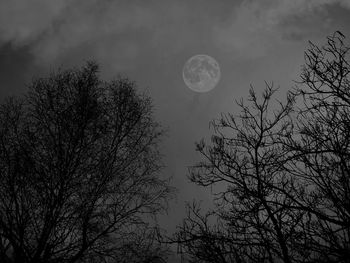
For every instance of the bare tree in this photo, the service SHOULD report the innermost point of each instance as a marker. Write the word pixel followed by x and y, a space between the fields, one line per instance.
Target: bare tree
pixel 246 160
pixel 280 176
pixel 79 171
pixel 321 146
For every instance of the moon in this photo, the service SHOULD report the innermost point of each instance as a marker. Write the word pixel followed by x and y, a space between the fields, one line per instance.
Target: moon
pixel 201 73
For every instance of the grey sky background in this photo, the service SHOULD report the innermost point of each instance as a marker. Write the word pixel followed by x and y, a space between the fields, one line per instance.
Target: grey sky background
pixel 149 41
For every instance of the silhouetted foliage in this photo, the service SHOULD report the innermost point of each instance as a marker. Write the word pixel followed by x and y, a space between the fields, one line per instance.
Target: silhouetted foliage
pixel 280 174
pixel 80 172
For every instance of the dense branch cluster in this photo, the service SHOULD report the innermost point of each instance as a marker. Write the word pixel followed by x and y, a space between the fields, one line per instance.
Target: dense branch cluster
pixel 79 172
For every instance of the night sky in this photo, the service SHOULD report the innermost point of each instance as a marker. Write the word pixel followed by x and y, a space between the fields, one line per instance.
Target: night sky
pixel 149 42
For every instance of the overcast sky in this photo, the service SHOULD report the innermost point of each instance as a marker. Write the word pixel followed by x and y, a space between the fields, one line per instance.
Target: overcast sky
pixel 149 41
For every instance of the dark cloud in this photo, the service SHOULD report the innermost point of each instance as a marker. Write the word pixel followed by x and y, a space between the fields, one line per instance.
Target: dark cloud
pixel 15 69
pixel 316 22
pixel 23 22
pixel 257 28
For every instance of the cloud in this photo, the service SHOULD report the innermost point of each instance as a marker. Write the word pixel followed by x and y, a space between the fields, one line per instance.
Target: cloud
pixel 120 31
pixel 99 29
pixel 22 22
pixel 256 27
pixel 105 30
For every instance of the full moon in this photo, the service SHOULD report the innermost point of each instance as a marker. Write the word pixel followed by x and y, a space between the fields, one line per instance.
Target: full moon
pixel 201 73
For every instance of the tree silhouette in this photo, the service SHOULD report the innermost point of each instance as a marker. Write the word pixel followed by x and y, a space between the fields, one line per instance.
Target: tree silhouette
pixel 80 172
pixel 321 146
pixel 280 174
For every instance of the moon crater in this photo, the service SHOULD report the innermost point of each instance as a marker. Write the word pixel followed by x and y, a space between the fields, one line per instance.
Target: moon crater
pixel 201 73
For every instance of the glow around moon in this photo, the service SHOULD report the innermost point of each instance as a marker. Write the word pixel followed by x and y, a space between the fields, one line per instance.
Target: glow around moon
pixel 201 73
